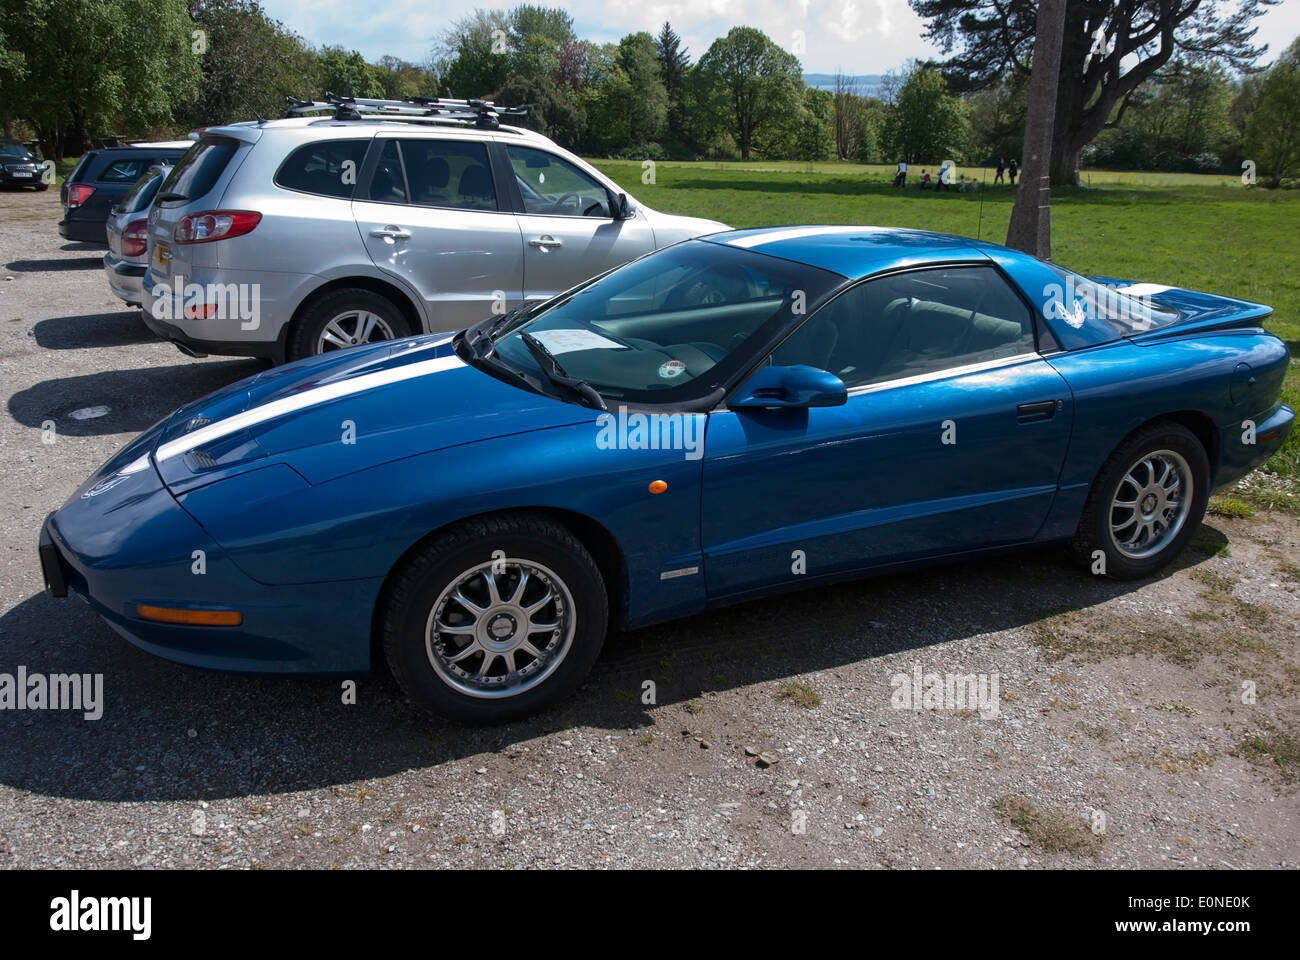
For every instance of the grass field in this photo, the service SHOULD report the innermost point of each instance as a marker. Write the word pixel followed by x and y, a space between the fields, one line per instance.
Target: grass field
pixel 1187 230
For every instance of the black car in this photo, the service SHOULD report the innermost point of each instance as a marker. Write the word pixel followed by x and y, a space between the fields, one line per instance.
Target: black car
pixel 102 178
pixel 19 167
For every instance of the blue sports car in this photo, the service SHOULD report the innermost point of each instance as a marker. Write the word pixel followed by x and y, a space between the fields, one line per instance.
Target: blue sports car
pixel 728 417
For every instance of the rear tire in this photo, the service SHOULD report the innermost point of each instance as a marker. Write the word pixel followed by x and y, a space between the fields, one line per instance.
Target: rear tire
pixel 345 318
pixel 1146 503
pixel 482 636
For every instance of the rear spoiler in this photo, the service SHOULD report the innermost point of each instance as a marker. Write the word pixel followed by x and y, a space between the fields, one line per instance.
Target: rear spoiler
pixel 245 131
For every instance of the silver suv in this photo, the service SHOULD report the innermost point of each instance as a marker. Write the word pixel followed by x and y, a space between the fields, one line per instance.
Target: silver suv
pixel 288 238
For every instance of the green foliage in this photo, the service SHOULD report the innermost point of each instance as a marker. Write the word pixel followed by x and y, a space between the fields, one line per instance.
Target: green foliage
pixel 925 121
pixel 759 83
pixel 1273 126
pixel 346 73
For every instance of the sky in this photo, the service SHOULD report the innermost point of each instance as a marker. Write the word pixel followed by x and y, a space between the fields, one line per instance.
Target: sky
pixel 857 36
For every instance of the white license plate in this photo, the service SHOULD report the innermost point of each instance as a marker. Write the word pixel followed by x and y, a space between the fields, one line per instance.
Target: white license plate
pixel 24 173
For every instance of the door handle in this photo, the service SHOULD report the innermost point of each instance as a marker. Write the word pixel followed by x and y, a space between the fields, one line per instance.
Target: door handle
pixel 391 232
pixel 544 241
pixel 1039 410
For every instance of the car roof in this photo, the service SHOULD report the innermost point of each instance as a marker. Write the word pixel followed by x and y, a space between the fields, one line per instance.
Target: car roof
pixel 855 251
pixel 413 129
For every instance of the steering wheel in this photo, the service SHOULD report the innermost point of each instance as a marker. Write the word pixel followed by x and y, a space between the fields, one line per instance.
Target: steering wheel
pixel 559 202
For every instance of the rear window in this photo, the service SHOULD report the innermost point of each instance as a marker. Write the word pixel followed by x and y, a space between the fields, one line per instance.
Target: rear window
pixel 80 168
pixel 198 170
pixel 142 193
pixel 1078 300
pixel 124 170
pixel 328 168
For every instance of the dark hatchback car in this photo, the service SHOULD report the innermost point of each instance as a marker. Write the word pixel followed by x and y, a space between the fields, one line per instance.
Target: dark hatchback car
pixel 19 167
pixel 101 179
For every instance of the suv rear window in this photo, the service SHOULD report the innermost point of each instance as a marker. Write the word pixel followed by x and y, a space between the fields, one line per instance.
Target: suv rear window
pixel 328 168
pixel 199 168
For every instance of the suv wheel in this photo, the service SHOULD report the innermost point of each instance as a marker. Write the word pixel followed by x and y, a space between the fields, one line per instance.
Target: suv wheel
pixel 346 318
pixel 494 619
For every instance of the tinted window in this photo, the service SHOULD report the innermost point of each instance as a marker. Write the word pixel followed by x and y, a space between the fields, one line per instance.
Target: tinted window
pixel 670 327
pixel 198 169
pixel 550 185
pixel 79 169
pixel 388 184
pixel 449 173
pixel 142 193
pixel 911 324
pixel 1078 300
pixel 328 168
pixel 124 170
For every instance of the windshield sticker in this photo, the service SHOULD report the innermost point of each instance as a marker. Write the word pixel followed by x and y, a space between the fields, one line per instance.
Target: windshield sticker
pixel 673 368
pixel 568 341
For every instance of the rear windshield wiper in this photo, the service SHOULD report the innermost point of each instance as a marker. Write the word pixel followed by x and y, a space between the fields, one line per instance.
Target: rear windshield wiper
pixel 172 196
pixel 555 373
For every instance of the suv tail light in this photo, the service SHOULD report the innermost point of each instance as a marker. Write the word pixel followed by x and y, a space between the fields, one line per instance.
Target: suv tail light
pixel 78 194
pixel 134 241
pixel 215 225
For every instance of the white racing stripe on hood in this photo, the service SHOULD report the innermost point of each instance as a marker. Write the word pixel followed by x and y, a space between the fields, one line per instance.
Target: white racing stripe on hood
pixel 308 398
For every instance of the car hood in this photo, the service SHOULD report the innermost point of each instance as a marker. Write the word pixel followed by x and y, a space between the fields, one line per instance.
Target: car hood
pixel 348 411
pixel 670 228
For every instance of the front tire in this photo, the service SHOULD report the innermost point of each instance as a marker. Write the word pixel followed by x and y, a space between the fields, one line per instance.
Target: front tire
pixel 1146 503
pixel 346 318
pixel 495 619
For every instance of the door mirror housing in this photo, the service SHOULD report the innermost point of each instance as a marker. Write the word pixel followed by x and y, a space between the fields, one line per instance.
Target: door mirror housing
pixel 797 386
pixel 622 207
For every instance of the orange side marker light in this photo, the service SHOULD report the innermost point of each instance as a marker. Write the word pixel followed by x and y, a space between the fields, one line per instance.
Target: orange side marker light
pixel 658 486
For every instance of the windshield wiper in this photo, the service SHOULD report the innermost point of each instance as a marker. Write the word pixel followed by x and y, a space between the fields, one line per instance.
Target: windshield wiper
pixel 172 196
pixel 555 373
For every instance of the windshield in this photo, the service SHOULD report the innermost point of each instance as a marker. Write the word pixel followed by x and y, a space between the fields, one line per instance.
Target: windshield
pixel 672 327
pixel 1078 300
pixel 11 148
pixel 197 170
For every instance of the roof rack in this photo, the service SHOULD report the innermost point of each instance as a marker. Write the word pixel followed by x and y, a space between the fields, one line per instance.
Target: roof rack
pixel 482 113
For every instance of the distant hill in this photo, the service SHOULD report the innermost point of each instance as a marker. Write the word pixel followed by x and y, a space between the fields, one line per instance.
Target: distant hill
pixel 869 83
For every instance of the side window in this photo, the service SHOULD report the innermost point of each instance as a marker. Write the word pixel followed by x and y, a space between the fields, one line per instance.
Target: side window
pixel 328 168
pixel 124 171
pixel 555 187
pixel 449 173
pixel 388 184
pixel 909 324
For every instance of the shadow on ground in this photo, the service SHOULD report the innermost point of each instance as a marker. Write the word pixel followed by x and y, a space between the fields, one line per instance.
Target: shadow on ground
pixel 176 733
pixel 136 399
pixel 118 329
pixel 42 266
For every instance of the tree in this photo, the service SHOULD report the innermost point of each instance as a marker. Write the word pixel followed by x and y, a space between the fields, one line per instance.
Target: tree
pixel 674 67
pixel 239 33
pixel 1110 50
pixel 647 114
pixel 756 78
pixel 88 67
pixel 402 80
pixel 849 115
pixel 347 74
pixel 925 121
pixel 1273 127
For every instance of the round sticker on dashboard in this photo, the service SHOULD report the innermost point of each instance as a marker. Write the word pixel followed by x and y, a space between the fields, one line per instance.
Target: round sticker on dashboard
pixel 673 368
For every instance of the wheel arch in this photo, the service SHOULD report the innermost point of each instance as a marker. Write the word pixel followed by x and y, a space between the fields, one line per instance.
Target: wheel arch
pixel 400 297
pixel 593 535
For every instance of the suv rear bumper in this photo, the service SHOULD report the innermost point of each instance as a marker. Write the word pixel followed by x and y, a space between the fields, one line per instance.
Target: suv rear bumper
pixel 84 231
pixel 125 279
pixel 272 350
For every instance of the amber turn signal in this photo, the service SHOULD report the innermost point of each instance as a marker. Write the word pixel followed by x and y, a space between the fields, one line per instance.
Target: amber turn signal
pixel 658 486
pixel 197 618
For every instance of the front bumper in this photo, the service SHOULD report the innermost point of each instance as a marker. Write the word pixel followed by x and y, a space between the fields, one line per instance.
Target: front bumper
pixel 125 279
pixel 133 544
pixel 20 178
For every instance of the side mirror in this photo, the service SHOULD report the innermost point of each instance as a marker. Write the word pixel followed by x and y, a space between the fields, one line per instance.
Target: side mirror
pixel 623 207
pixel 798 386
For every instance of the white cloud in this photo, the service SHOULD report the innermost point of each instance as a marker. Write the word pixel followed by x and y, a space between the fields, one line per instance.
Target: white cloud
pixel 859 36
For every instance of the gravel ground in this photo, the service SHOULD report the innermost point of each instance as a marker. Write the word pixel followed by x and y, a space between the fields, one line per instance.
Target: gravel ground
pixel 1123 733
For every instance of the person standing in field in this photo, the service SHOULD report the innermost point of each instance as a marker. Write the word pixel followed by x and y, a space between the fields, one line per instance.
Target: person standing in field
pixel 1012 168
pixel 1001 167
pixel 901 177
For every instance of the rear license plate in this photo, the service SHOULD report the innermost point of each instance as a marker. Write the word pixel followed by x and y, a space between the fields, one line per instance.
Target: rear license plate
pixel 161 256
